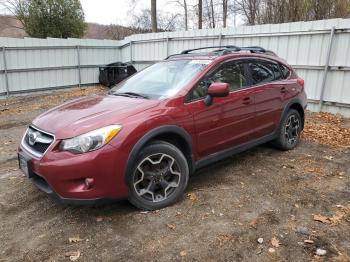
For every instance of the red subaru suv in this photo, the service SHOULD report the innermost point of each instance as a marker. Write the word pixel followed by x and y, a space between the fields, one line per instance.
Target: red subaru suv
pixel 144 138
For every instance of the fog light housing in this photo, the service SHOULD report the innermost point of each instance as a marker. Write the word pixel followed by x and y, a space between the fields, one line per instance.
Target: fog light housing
pixel 89 182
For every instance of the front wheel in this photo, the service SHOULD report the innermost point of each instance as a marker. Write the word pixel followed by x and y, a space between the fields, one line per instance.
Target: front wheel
pixel 159 176
pixel 289 130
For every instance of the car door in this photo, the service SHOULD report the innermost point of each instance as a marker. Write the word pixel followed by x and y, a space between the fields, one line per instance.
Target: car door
pixel 227 121
pixel 265 77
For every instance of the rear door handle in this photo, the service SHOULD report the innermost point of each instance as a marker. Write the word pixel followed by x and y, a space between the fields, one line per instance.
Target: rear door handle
pixel 247 100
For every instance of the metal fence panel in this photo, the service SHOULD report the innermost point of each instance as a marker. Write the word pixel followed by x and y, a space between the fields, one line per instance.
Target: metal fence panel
pixel 33 80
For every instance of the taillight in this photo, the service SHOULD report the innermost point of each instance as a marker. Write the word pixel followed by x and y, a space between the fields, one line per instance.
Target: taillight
pixel 301 82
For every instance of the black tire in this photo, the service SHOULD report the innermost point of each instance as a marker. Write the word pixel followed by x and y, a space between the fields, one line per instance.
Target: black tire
pixel 289 139
pixel 154 185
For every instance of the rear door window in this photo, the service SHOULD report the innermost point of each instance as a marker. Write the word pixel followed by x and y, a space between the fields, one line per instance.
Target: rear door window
pixel 285 71
pixel 264 72
pixel 260 73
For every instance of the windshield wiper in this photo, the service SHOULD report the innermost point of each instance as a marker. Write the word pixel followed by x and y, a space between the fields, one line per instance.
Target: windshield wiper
pixel 130 94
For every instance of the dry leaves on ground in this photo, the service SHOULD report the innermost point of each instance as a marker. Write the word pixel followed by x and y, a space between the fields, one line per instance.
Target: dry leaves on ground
pixel 192 196
pixel 275 242
pixel 171 226
pixel 326 128
pixel 311 166
pixel 28 103
pixel 75 239
pixel 73 255
pixel 335 219
pixel 224 238
pixel 99 219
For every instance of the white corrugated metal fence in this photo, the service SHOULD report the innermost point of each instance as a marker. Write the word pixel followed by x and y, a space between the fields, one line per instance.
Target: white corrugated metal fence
pixel 31 64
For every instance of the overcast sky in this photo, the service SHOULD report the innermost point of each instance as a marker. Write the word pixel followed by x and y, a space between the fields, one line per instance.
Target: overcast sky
pixel 119 11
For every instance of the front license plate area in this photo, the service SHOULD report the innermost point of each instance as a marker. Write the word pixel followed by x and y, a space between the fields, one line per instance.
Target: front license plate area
pixel 24 163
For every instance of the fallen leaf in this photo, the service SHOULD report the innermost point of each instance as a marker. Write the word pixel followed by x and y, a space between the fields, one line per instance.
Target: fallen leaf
pixel 73 255
pixel 275 242
pixel 272 250
pixel 322 219
pixel 308 241
pixel 335 219
pixel 74 239
pixel 328 157
pixel 183 253
pixel 254 222
pixel 99 219
pixel 171 226
pixel 192 196
pixel 224 238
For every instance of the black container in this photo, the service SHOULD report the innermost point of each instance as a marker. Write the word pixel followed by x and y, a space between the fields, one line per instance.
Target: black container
pixel 114 73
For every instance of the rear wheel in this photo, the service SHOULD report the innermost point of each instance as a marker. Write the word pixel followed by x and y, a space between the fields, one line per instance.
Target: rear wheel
pixel 289 131
pixel 159 177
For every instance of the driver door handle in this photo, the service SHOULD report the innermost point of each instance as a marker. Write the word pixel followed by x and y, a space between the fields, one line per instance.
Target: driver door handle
pixel 247 100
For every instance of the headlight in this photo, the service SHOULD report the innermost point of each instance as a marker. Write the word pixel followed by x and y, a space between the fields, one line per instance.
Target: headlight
pixel 90 141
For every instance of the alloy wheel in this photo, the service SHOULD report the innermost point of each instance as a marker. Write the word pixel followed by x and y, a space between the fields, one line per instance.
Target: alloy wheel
pixel 156 177
pixel 292 129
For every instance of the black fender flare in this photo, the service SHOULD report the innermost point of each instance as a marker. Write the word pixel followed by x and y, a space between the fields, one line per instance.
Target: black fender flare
pixel 288 106
pixel 153 133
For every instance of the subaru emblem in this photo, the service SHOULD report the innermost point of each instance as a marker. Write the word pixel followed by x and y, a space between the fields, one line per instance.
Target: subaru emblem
pixel 32 138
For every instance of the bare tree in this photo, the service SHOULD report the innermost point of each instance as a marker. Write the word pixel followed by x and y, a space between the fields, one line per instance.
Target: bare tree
pixel 208 14
pixel 212 13
pixel 186 15
pixel 224 12
pixel 166 22
pixel 250 10
pixel 183 4
pixel 200 17
pixel 154 15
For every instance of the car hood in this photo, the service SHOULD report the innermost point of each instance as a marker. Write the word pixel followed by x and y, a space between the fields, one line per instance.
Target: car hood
pixel 89 113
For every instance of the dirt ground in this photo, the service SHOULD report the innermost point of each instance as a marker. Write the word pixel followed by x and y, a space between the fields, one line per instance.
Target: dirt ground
pixel 296 201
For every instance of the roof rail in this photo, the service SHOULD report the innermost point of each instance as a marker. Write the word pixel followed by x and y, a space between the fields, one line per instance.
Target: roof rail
pixel 224 50
pixel 209 47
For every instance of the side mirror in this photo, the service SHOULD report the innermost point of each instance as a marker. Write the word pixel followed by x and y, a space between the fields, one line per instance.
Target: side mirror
pixel 216 90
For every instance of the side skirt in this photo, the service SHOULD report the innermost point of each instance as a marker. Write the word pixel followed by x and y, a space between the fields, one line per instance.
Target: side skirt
pixel 232 151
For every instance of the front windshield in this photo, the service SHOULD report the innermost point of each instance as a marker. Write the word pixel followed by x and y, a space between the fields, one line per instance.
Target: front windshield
pixel 161 80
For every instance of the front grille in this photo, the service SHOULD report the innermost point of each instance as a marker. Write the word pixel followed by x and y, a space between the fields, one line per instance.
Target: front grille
pixel 37 141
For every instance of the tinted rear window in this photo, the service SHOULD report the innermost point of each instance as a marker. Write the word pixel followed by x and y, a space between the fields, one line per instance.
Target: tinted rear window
pixel 285 71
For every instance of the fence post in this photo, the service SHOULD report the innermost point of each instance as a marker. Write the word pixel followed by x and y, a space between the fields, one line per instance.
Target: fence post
pixel 167 46
pixel 220 39
pixel 79 65
pixel 5 71
pixel 130 44
pixel 326 68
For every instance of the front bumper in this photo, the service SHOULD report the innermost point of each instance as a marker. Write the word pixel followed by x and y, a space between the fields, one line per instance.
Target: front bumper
pixel 62 175
pixel 45 187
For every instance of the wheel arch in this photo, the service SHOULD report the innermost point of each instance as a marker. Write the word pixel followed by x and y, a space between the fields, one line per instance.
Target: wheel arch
pixel 297 105
pixel 175 135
